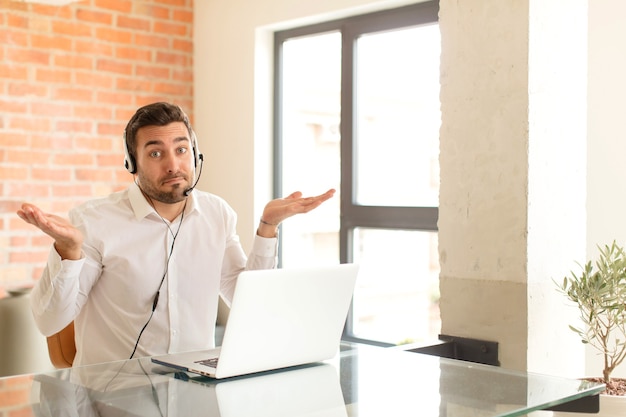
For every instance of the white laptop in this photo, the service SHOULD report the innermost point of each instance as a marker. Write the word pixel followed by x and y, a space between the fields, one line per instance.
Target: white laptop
pixel 278 318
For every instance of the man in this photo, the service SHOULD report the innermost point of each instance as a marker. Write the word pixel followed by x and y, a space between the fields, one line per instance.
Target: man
pixel 140 271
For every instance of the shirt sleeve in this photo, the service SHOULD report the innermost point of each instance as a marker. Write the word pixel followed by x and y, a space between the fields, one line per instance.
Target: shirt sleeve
pixel 53 295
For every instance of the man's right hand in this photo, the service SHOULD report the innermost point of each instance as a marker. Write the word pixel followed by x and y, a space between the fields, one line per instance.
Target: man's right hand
pixel 68 240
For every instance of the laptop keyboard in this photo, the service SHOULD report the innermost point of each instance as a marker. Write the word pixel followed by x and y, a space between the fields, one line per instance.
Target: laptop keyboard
pixel 209 362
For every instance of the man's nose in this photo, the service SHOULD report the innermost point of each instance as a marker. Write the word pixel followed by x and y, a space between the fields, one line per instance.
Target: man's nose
pixel 171 162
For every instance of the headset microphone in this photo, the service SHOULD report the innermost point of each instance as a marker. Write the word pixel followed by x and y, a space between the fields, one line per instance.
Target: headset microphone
pixel 189 190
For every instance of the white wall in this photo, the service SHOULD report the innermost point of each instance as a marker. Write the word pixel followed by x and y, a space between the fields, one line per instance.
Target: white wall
pixel 606 203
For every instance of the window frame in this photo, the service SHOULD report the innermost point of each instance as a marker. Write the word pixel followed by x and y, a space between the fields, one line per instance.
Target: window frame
pixel 353 215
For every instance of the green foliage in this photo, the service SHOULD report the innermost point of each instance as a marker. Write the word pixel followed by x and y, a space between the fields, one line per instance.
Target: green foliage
pixel 600 294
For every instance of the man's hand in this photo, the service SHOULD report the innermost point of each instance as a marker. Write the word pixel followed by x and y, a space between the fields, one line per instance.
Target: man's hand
pixel 68 239
pixel 282 208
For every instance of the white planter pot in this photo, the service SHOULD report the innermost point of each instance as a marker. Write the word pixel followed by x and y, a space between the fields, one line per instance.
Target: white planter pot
pixel 610 406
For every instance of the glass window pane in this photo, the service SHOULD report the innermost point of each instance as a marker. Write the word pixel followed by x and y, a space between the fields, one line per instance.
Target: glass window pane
pixel 397 295
pixel 311 145
pixel 398 118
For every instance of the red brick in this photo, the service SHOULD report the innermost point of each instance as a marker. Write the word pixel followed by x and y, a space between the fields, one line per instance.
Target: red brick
pixel 16 72
pixel 174 59
pixel 73 159
pixel 183 16
pixel 29 123
pixel 42 240
pixel 11 173
pixel 49 141
pixel 73 94
pixel 51 174
pixel 185 76
pixel 124 6
pixel 17 240
pixel 93 79
pixel 135 54
pixel 114 35
pixel 63 12
pixel 12 140
pixel 42 24
pixel 28 56
pixel 133 84
pixel 109 160
pixel 71 190
pixel 115 97
pixel 11 106
pixel 74 126
pixel 183 45
pixel 152 40
pixel 97 145
pixel 133 23
pixel 179 3
pixel 13 37
pixel 27 257
pixel 96 174
pixel 51 42
pixel 17 21
pixel 173 29
pixel 64 206
pixel 27 89
pixel 110 65
pixel 93 111
pixel 172 89
pixel 27 189
pixel 153 10
pixel 9 206
pixel 72 28
pixel 74 61
pixel 27 157
pixel 152 71
pixel 48 75
pixel 110 129
pixel 94 16
pixel 93 48
pixel 48 109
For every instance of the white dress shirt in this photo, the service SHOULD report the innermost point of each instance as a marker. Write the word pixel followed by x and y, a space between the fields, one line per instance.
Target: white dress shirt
pixel 109 292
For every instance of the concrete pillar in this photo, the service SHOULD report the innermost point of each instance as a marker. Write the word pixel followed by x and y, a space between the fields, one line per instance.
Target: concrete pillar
pixel 512 197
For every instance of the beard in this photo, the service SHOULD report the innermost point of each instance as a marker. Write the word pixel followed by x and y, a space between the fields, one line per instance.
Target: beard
pixel 174 195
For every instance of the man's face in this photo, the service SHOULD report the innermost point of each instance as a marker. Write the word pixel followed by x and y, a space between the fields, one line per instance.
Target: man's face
pixel 164 161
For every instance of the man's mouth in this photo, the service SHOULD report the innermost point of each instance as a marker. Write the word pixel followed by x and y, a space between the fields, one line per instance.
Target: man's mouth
pixel 172 180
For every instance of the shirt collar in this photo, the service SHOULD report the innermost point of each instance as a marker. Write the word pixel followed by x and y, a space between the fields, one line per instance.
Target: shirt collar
pixel 142 208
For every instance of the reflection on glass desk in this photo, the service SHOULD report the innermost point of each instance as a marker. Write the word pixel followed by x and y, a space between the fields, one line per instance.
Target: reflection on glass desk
pixel 359 381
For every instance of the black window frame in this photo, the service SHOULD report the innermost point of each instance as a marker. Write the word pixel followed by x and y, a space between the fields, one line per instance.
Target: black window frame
pixel 352 214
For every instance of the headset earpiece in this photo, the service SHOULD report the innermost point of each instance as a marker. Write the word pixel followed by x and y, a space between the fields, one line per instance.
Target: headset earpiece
pixel 129 162
pixel 197 156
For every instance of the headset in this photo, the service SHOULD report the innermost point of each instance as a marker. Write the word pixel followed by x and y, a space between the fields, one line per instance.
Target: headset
pixel 131 165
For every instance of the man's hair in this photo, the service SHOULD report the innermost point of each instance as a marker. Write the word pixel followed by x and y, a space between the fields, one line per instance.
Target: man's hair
pixel 155 114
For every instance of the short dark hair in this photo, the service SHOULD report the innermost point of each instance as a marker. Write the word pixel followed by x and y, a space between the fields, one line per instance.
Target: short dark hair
pixel 155 114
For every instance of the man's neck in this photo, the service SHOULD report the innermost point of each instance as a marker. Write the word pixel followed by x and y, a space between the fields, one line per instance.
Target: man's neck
pixel 169 211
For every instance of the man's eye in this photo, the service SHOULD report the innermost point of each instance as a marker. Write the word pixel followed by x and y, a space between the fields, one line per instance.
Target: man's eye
pixel 182 150
pixel 155 154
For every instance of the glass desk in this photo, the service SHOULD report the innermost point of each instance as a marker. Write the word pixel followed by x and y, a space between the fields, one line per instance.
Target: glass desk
pixel 360 381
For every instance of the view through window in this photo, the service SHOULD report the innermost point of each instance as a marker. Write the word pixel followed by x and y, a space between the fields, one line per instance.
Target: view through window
pixel 359 111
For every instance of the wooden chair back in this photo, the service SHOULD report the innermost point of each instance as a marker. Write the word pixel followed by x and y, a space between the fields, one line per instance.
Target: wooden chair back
pixel 62 347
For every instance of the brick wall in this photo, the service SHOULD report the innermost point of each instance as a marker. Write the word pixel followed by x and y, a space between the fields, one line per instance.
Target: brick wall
pixel 71 77
pixel 15 396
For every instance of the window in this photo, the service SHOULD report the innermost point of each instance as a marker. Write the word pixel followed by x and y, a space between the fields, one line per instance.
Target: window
pixel 357 109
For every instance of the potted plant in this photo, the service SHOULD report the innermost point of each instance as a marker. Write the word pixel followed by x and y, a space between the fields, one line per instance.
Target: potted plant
pixel 599 291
